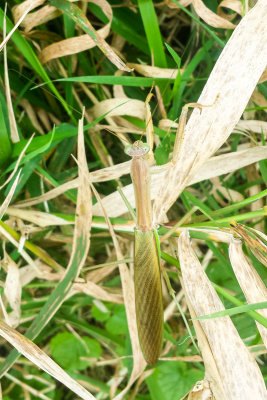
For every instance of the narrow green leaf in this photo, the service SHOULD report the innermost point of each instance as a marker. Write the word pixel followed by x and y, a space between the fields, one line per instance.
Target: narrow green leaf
pixel 238 310
pixel 153 34
pixel 117 80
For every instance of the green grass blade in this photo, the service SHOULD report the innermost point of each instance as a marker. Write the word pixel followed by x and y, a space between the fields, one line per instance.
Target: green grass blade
pixel 238 310
pixel 117 80
pixel 153 34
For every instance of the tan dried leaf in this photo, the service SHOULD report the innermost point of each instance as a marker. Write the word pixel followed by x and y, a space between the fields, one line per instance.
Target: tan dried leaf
pixel 154 72
pixel 85 42
pixel 83 218
pixel 210 17
pixel 238 373
pixel 249 280
pixel 37 217
pixel 233 79
pixel 96 291
pixel 12 289
pixel 120 106
pixel 39 17
pixel 27 5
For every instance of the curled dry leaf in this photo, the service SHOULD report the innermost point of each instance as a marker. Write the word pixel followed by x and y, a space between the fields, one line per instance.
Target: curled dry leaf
pixel 39 17
pixel 233 5
pixel 20 9
pixel 250 282
pixel 79 43
pixel 210 17
pixel 233 79
pixel 91 39
pixel 239 374
pixel 38 357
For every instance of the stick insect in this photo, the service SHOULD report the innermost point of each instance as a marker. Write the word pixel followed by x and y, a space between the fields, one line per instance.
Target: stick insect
pixel 147 278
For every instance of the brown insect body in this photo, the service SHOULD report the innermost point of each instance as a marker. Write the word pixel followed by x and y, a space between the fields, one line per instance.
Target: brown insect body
pixel 147 281
pixel 148 295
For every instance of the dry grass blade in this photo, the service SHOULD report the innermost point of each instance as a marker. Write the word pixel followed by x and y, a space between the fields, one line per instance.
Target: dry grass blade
pixel 83 218
pixel 38 357
pixel 8 198
pixel 233 79
pixel 249 280
pixel 37 217
pixel 238 372
pixel 96 291
pixel 78 43
pixel 24 254
pixel 17 164
pixel 154 72
pixel 12 290
pixel 120 106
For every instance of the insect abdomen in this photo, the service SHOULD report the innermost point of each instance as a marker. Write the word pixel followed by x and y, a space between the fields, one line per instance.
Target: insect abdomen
pixel 148 295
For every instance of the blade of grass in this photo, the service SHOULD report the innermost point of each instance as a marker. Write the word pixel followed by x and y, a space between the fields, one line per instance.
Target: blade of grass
pixel 153 34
